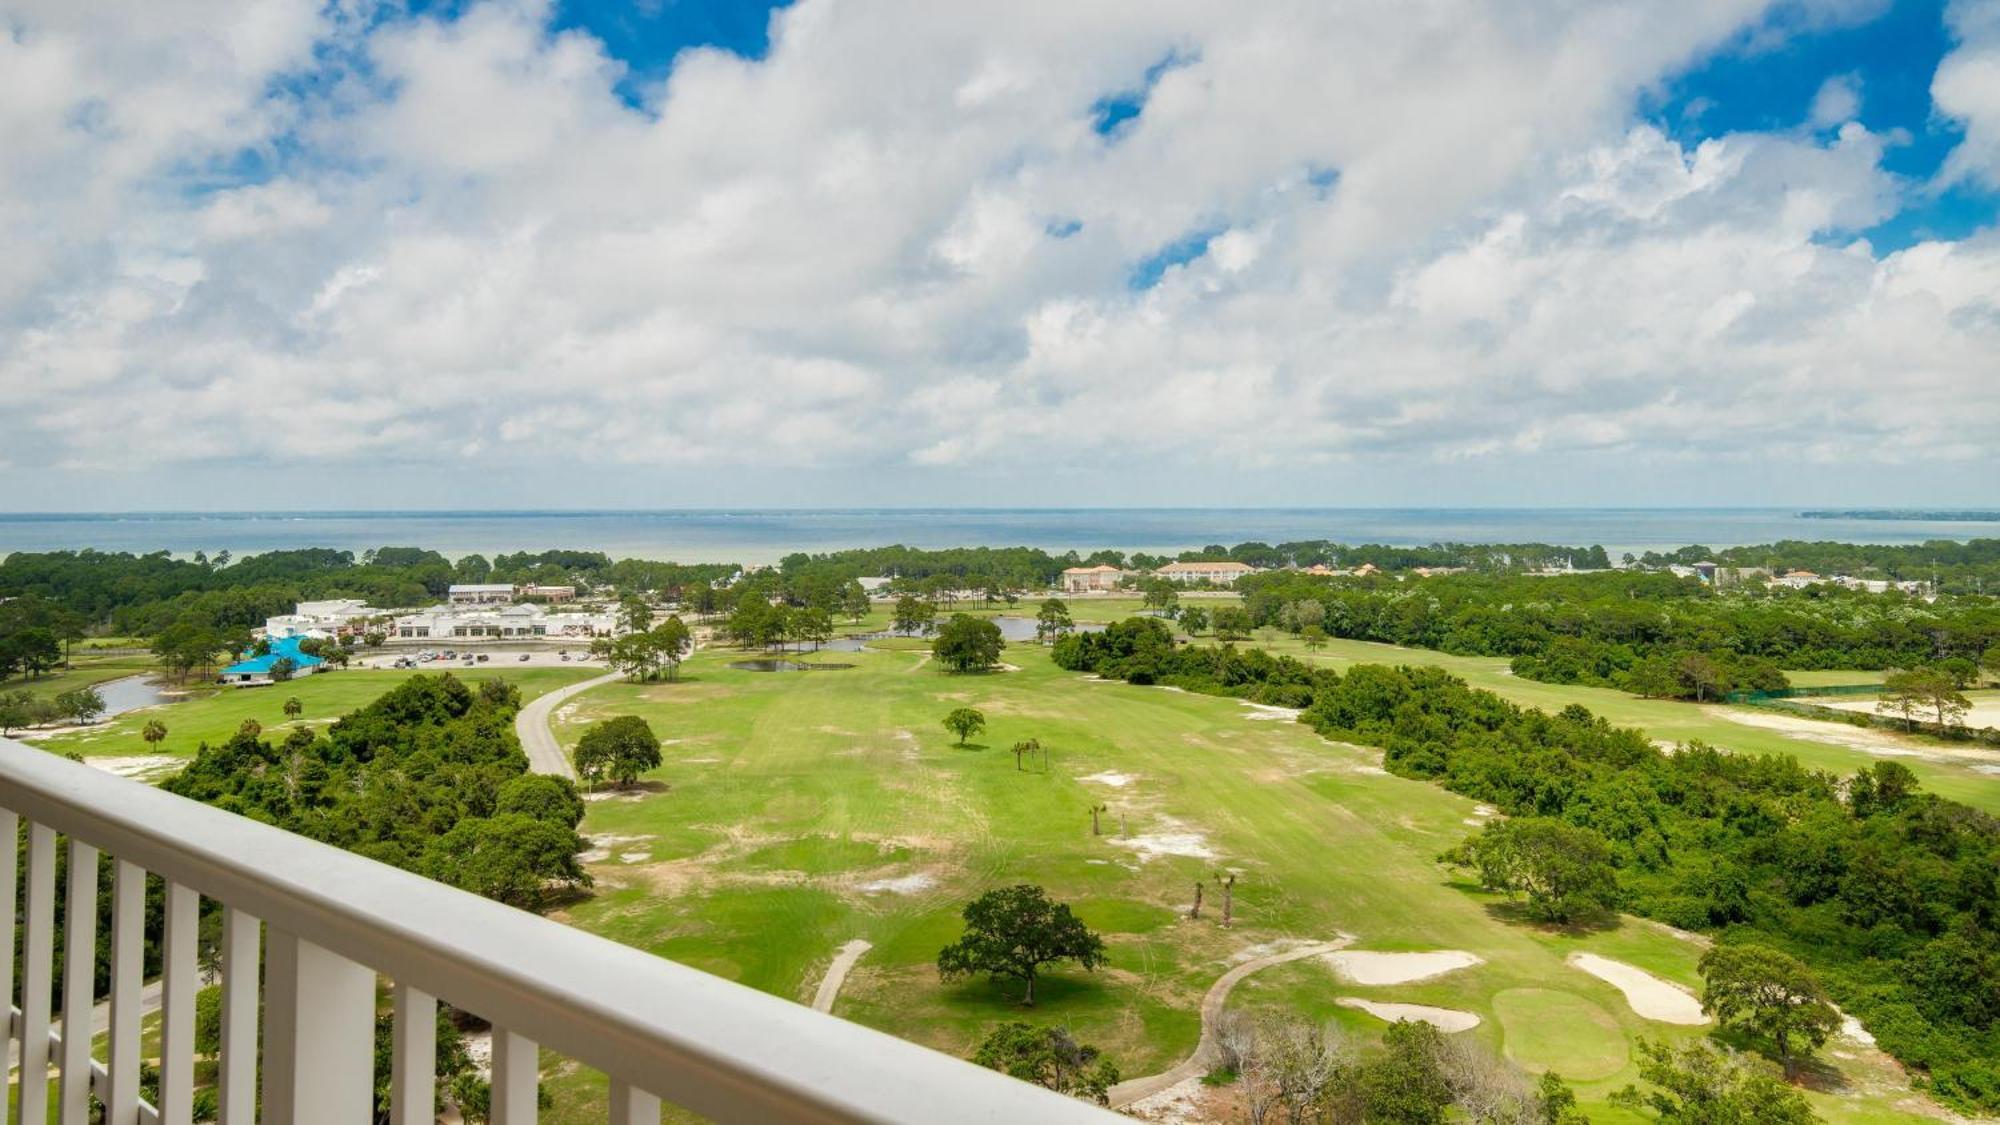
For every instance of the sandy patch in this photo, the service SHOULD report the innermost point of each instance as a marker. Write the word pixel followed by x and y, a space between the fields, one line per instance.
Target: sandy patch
pixel 1359 966
pixel 903 885
pixel 1852 1029
pixel 1985 710
pixel 1649 996
pixel 700 761
pixel 1444 1019
pixel 1173 839
pixel 1112 778
pixel 141 766
pixel 1268 711
pixel 1268 949
pixel 1183 1103
pixel 1868 740
pixel 601 847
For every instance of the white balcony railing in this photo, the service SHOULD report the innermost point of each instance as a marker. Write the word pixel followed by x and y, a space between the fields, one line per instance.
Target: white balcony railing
pixel 330 923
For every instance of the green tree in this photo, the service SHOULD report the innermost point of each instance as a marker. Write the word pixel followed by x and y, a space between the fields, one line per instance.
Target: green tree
pixel 1012 932
pixel 1696 1084
pixel 967 644
pixel 671 641
pixel 816 625
pixel 634 615
pixel 185 646
pixel 1048 1057
pixel 1052 621
pixel 1160 594
pixel 1768 993
pixel 511 858
pixel 542 797
pixel 1194 619
pixel 1407 1083
pixel 1230 622
pixel 618 749
pixel 283 668
pixel 1909 691
pixel 914 617
pixel 81 705
pixel 1565 872
pixel 854 600
pixel 154 733
pixel 294 708
pixel 964 722
pixel 1313 636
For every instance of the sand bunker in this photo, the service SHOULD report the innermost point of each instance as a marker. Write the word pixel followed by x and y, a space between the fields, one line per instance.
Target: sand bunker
pixel 139 766
pixel 906 885
pixel 1444 1019
pixel 1868 740
pixel 1112 778
pixel 1268 711
pixel 601 848
pixel 1358 966
pixel 1649 996
pixel 1173 838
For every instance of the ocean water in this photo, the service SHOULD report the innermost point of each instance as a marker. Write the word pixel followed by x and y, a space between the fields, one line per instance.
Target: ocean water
pixel 764 535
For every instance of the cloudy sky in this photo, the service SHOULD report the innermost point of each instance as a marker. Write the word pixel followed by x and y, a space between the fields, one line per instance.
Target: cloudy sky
pixel 684 253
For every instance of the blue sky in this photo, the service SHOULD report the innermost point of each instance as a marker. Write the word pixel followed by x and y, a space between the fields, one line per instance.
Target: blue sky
pixel 874 252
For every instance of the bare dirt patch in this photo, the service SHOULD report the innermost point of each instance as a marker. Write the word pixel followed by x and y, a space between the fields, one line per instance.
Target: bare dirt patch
pixel 1650 997
pixel 1359 966
pixel 1868 740
pixel 1270 713
pixel 1444 1019
pixel 140 766
pixel 1171 837
pixel 1112 778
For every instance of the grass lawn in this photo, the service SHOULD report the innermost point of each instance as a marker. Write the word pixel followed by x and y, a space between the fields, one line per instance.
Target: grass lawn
pixel 85 669
pixel 797 811
pixel 214 716
pixel 1946 768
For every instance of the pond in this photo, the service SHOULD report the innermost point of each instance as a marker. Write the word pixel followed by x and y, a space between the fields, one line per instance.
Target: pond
pixel 129 694
pixel 785 666
pixel 1023 628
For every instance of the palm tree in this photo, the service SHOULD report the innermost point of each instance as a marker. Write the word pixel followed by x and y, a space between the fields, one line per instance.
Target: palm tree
pixel 154 732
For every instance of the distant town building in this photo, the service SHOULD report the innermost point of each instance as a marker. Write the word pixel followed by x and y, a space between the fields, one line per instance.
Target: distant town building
pixel 1089 579
pixel 874 585
pixel 498 623
pixel 1221 573
pixel 481 593
pixel 323 619
pixel 553 594
pixel 1797 579
pixel 257 669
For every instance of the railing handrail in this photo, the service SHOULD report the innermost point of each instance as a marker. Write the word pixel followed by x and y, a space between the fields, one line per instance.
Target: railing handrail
pixel 711 1045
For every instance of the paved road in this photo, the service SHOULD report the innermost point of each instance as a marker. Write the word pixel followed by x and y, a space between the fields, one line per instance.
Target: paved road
pixel 100 1019
pixel 1125 1093
pixel 545 754
pixel 836 974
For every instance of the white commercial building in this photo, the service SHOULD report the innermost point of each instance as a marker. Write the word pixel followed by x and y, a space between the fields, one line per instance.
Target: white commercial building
pixel 319 619
pixel 481 593
pixel 499 623
pixel 1221 573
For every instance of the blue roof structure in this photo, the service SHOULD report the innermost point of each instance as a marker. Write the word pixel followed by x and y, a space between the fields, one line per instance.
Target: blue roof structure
pixel 281 648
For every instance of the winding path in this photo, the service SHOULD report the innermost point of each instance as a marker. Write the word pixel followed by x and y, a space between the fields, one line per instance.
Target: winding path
pixel 1127 1092
pixel 836 974
pixel 531 724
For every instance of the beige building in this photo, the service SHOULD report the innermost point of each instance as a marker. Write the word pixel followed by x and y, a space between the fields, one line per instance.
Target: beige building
pixel 549 593
pixel 1220 573
pixel 1087 579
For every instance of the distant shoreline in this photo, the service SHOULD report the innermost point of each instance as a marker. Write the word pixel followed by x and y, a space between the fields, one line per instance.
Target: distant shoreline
pixel 1907 515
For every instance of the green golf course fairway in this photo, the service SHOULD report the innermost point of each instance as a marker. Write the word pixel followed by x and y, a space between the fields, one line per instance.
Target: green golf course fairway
pixel 799 810
pixel 212 716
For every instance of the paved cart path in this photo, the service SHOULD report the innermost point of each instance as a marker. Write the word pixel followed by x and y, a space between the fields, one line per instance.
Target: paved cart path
pixel 836 974
pixel 1127 1092
pixel 545 754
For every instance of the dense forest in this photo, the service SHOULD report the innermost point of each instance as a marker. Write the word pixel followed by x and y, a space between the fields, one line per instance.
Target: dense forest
pixel 430 778
pixel 1891 894
pixel 1648 632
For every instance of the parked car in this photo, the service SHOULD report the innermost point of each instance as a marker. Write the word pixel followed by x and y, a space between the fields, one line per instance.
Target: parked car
pixel 524 658
pixel 482 658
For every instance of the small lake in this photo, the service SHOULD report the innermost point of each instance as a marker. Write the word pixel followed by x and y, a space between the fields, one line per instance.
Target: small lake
pixel 785 666
pixel 129 694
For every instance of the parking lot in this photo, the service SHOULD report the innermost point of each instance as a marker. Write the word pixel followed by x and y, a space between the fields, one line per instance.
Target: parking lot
pixel 496 655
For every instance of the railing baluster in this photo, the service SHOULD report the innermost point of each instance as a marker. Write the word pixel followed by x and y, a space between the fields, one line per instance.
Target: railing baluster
pixel 516 1078
pixel 179 980
pixel 10 874
pixel 128 970
pixel 79 981
pixel 633 1106
pixel 319 1034
pixel 238 1080
pixel 413 1067
pixel 38 955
